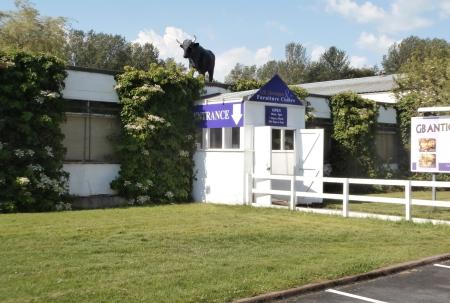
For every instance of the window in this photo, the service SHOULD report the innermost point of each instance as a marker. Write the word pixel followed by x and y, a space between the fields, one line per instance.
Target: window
pixel 215 138
pixel 386 143
pixel 282 139
pixel 232 137
pixel 87 136
pixel 199 138
pixel 276 139
pixel 289 139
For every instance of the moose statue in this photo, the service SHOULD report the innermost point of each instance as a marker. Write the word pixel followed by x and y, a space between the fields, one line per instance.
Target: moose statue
pixel 201 59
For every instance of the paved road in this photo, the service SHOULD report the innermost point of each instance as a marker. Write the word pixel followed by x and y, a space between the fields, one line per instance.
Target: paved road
pixel 427 284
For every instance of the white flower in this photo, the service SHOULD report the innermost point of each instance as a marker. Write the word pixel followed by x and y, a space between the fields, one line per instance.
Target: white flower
pixel 49 151
pixel 30 152
pixel 118 86
pixel 39 100
pixel 184 153
pixel 36 167
pixel 19 153
pixel 22 181
pixel 189 137
pixel 126 183
pixel 153 118
pixel 145 152
pixel 169 195
pixel 142 199
pixel 149 183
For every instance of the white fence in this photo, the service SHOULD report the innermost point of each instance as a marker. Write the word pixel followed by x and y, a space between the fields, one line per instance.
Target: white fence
pixel 345 196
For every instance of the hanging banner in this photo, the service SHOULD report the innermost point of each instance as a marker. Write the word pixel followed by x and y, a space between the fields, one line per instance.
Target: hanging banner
pixel 219 115
pixel 276 91
pixel 430 144
pixel 276 116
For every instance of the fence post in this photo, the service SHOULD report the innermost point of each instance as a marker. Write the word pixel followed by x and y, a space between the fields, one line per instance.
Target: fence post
pixel 293 193
pixel 408 200
pixel 345 194
pixel 248 188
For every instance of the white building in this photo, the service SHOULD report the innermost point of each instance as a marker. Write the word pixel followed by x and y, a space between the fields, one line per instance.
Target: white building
pixel 225 153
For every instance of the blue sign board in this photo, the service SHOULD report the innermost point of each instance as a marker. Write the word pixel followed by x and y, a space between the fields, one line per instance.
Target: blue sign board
pixel 276 116
pixel 220 115
pixel 276 91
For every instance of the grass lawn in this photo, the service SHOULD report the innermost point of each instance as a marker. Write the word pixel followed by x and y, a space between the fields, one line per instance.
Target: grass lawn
pixel 439 213
pixel 193 252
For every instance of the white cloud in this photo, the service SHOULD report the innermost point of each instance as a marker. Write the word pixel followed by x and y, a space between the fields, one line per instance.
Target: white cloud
pixel 379 44
pixel 363 13
pixel 317 51
pixel 401 16
pixel 167 43
pixel 358 61
pixel 169 48
pixel 227 60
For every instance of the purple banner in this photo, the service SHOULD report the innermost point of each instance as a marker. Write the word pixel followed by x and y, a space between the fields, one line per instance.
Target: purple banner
pixel 220 115
pixel 444 167
pixel 276 91
pixel 276 116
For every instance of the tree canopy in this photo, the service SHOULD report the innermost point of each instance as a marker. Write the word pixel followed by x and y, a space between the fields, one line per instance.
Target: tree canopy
pixel 25 29
pixel 106 51
pixel 298 68
pixel 399 53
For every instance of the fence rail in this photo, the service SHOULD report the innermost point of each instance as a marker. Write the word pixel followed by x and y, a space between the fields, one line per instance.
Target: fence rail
pixel 345 196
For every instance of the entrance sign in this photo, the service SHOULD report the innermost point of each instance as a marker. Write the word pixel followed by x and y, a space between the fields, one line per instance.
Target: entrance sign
pixel 276 115
pixel 276 91
pixel 430 147
pixel 219 115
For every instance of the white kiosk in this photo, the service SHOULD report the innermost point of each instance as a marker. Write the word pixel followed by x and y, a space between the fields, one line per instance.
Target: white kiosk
pixel 258 131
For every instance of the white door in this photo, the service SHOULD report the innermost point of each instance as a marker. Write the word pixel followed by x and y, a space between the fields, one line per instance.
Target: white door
pixel 309 161
pixel 262 162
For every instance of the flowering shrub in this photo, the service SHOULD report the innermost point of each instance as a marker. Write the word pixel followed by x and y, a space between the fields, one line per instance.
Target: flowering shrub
pixel 157 141
pixel 31 152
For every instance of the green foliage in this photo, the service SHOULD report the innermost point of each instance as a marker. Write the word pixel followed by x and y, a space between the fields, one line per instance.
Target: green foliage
pixel 157 141
pixel 297 68
pixel 106 51
pixel 353 134
pixel 245 84
pixel 31 152
pixel 241 72
pixel 399 53
pixel 424 82
pixel 26 30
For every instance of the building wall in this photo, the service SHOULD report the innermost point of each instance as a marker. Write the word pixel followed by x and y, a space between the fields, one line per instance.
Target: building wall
pixel 386 115
pixel 91 179
pixel 219 176
pixel 81 85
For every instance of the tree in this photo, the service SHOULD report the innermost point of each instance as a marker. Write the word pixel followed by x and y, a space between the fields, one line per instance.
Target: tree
pixel 106 51
pixel 399 53
pixel 241 72
pixel 334 64
pixel 424 81
pixel 292 70
pixel 26 30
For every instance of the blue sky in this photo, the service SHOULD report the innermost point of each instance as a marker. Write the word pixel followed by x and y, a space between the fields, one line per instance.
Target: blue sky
pixel 253 32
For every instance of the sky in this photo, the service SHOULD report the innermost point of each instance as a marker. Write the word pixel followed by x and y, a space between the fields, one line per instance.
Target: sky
pixel 254 32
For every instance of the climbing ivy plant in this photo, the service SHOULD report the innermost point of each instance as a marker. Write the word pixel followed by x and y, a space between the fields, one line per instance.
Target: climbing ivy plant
pixel 156 145
pixel 353 135
pixel 31 150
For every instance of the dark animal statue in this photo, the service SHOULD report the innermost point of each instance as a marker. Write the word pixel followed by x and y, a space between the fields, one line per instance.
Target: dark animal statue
pixel 201 59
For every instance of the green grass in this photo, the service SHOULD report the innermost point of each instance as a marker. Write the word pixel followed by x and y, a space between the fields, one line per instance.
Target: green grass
pixel 193 253
pixel 428 212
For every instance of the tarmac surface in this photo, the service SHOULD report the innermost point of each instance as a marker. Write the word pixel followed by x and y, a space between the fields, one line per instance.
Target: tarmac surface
pixel 426 284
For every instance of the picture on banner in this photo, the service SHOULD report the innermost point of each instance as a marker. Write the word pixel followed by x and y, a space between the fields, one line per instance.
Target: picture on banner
pixel 430 148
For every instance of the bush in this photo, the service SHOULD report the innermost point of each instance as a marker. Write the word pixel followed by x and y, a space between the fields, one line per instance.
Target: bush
pixel 31 151
pixel 353 134
pixel 156 145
